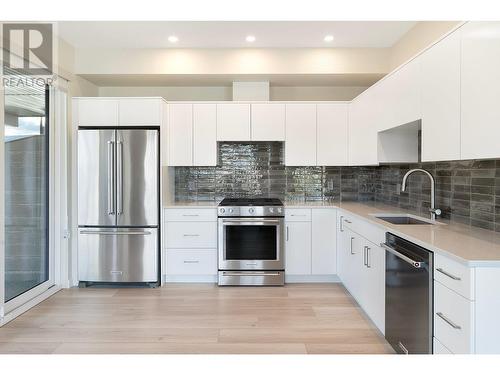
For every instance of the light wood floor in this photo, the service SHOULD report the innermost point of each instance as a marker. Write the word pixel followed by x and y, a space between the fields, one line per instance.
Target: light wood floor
pixel 196 318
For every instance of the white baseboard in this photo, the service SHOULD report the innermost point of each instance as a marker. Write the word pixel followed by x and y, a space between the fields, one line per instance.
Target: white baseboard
pixel 311 279
pixel 189 279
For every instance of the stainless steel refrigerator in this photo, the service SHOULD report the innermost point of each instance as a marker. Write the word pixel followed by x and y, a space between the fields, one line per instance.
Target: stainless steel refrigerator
pixel 118 205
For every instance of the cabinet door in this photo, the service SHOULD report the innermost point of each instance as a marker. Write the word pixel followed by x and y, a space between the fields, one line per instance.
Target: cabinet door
pixel 372 283
pixel 268 122
pixel 362 132
pixel 140 112
pixel 349 255
pixel 332 130
pixel 204 134
pixel 97 112
pixel 233 122
pixel 298 248
pixel 480 89
pixel 300 139
pixel 402 103
pixel 180 134
pixel 441 100
pixel 324 241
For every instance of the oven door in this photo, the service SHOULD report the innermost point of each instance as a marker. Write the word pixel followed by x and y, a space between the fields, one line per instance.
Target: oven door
pixel 251 243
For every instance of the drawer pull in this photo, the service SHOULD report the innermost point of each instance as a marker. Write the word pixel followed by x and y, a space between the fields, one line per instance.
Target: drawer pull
pixel 191 235
pixel 447 320
pixel 347 221
pixel 191 261
pixel 190 215
pixel 298 215
pixel 448 274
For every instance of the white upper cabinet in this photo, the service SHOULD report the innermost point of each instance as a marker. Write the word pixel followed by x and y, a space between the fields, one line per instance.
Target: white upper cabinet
pixel 480 88
pixel 332 134
pixel 233 122
pixel 268 122
pixel 205 134
pixel 97 112
pixel 441 100
pixel 363 131
pixel 140 111
pixel 300 140
pixel 180 135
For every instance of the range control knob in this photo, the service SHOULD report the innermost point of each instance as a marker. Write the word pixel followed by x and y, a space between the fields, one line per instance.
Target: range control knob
pixel 222 210
pixel 251 210
pixel 231 210
pixel 271 210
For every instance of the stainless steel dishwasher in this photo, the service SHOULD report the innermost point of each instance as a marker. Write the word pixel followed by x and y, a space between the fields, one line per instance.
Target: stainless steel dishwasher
pixel 408 296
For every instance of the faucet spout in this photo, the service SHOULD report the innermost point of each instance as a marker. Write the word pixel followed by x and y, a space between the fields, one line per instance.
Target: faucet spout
pixel 433 210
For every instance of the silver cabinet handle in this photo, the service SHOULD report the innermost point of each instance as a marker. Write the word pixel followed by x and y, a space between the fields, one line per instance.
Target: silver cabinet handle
pixel 365 248
pixel 287 233
pixel 352 252
pixel 112 233
pixel 119 178
pixel 447 320
pixel 448 274
pixel 341 221
pixel 191 235
pixel 347 221
pixel 191 261
pixel 111 178
pixel 368 257
pixel 301 215
pixel 414 263
pixel 190 215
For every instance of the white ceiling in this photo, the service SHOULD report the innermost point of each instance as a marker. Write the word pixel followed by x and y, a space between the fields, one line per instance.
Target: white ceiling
pixel 230 34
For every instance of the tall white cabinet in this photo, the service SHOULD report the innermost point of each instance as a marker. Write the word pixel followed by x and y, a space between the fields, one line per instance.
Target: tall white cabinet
pixel 332 133
pixel 480 90
pixel 441 100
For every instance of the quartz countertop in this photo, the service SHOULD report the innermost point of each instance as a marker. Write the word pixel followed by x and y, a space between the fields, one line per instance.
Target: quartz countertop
pixel 469 245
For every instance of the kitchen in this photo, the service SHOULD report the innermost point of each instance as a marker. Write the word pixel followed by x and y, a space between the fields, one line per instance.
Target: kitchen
pixel 255 187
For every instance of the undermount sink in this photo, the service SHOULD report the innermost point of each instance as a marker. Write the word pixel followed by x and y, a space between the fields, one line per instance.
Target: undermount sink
pixel 402 219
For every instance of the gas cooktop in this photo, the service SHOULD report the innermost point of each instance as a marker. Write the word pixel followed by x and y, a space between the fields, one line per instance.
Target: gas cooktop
pixel 251 202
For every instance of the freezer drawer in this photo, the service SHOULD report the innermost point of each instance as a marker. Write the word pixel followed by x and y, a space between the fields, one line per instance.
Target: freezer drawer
pixel 118 254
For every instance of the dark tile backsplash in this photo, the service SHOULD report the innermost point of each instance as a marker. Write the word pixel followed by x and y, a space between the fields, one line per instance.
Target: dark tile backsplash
pixel 467 191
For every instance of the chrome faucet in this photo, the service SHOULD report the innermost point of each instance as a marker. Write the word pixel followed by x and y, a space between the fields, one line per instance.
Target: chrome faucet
pixel 433 210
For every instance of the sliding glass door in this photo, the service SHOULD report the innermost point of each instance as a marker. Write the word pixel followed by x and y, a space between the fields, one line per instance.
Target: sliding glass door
pixel 27 141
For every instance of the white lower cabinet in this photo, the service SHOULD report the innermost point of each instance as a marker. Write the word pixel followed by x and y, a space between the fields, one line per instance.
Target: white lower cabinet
pixel 298 248
pixel 310 242
pixel 362 271
pixel 191 261
pixel 190 250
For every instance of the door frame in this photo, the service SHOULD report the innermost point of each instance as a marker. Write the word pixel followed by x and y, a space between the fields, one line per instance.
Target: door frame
pixel 57 218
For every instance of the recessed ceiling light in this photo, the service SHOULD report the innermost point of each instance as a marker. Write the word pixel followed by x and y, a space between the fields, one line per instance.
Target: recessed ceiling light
pixel 329 38
pixel 250 38
pixel 173 39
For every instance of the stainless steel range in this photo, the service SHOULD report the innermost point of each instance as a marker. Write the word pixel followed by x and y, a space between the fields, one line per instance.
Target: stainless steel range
pixel 251 241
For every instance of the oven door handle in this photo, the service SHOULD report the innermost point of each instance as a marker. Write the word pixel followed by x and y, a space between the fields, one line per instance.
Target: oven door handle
pixel 250 221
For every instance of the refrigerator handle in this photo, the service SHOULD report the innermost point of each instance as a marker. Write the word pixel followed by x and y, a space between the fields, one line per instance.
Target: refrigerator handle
pixel 111 178
pixel 119 177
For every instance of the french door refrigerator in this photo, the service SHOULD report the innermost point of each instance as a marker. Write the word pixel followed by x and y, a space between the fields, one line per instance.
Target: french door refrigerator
pixel 118 205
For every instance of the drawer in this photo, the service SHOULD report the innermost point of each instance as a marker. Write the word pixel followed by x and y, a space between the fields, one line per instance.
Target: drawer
pixel 191 235
pixel 371 232
pixel 454 275
pixel 190 214
pixel 297 214
pixel 439 348
pixel 453 316
pixel 191 261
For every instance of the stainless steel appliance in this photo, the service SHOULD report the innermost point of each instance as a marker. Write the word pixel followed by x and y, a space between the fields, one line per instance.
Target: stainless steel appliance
pixel 118 205
pixel 408 296
pixel 250 242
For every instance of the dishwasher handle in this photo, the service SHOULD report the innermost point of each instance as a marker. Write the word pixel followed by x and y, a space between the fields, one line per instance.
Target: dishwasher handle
pixel 414 263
